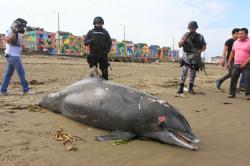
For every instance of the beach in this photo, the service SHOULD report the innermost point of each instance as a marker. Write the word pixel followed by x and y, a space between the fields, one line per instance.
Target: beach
pixel 26 136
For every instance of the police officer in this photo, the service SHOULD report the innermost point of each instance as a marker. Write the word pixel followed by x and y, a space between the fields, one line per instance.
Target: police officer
pixel 193 45
pixel 100 44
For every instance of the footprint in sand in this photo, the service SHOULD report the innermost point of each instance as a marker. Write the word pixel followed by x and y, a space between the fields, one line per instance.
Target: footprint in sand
pixel 24 145
pixel 39 124
pixel 25 132
pixel 9 157
pixel 11 112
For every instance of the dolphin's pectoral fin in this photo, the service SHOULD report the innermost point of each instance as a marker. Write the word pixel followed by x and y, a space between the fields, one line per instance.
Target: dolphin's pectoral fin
pixel 118 135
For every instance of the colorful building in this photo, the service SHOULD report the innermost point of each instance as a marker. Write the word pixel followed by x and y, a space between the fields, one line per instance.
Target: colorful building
pixel 130 49
pixel 138 49
pixel 173 55
pixel 162 53
pixel 145 50
pixel 2 41
pixel 69 44
pixel 113 48
pixel 36 39
pixel 153 50
pixel 39 40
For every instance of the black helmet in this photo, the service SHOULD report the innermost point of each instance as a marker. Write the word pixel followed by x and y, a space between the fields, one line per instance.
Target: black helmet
pixel 192 25
pixel 19 25
pixel 98 20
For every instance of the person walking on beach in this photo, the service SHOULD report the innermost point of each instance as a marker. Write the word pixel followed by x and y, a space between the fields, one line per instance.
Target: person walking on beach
pixel 100 45
pixel 12 55
pixel 241 55
pixel 193 45
pixel 225 56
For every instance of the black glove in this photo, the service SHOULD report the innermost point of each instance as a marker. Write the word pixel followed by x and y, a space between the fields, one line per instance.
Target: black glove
pixel 89 42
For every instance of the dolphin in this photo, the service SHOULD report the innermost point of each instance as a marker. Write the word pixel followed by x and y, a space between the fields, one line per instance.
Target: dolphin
pixel 126 112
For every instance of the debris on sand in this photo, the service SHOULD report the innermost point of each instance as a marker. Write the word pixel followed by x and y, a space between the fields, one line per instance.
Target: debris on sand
pixel 34 108
pixel 119 142
pixel 207 81
pixel 35 82
pixel 172 83
pixel 181 95
pixel 200 93
pixel 68 139
pixel 226 103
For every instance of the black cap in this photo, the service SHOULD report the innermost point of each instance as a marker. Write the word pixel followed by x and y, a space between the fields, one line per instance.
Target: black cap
pixel 192 25
pixel 98 20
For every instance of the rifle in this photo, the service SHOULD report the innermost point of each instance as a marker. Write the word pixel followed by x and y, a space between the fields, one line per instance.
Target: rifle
pixel 203 68
pixel 200 65
pixel 109 66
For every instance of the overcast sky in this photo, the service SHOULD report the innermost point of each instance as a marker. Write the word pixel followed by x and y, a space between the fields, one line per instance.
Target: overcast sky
pixel 148 21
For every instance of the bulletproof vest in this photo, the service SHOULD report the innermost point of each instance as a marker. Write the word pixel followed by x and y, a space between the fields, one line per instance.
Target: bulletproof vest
pixel 99 41
pixel 195 41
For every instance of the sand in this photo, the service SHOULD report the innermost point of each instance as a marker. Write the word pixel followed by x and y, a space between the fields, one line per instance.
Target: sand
pixel 26 137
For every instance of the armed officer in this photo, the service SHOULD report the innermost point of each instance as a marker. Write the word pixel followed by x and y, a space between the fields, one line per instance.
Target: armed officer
pixel 193 45
pixel 100 44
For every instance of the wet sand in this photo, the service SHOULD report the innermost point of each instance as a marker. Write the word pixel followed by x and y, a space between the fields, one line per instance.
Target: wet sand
pixel 26 138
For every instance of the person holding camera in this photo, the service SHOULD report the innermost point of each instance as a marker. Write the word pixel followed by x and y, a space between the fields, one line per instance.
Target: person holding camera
pixel 100 44
pixel 193 45
pixel 12 55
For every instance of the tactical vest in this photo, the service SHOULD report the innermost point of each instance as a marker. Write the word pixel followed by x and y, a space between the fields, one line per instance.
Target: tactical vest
pixel 194 42
pixel 99 41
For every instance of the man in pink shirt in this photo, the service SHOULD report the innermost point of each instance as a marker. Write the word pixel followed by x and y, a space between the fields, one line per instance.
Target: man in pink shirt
pixel 241 55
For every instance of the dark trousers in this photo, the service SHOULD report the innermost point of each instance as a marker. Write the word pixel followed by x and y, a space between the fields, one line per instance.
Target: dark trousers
pixel 236 71
pixel 228 75
pixel 102 60
pixel 225 77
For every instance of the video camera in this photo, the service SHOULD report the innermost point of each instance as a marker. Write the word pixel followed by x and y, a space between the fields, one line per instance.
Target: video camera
pixel 19 25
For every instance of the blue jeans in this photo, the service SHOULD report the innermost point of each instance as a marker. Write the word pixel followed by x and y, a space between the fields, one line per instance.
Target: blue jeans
pixel 14 62
pixel 242 82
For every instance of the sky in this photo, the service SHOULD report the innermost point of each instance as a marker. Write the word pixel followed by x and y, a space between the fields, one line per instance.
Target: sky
pixel 160 22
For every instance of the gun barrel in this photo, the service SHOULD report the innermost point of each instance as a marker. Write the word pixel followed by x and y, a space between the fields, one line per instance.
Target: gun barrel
pixel 205 71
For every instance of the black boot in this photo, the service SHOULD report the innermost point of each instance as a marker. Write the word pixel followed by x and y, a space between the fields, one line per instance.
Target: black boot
pixel 105 74
pixel 190 89
pixel 180 91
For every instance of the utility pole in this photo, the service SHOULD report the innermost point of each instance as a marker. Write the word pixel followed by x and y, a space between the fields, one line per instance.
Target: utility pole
pixel 58 22
pixel 58 30
pixel 124 32
pixel 173 43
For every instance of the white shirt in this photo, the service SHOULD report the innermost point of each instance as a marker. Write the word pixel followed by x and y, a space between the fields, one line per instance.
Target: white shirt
pixel 14 49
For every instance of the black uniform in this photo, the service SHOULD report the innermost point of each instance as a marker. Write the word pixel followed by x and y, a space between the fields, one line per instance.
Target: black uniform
pixel 100 44
pixel 196 42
